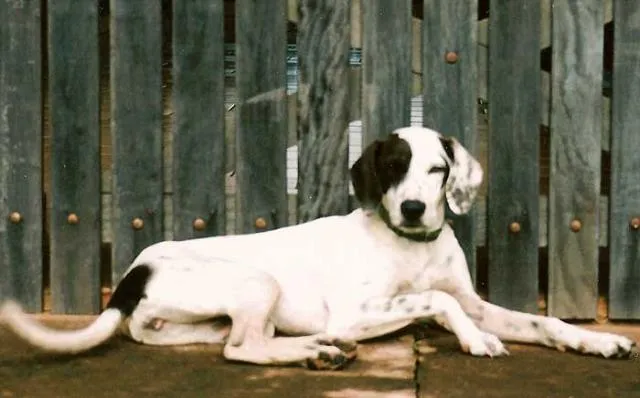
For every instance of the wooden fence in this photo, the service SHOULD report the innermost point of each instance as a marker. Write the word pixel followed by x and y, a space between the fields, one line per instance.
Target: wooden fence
pixel 122 124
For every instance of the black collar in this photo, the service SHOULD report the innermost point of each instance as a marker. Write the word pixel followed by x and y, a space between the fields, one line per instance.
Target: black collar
pixel 422 236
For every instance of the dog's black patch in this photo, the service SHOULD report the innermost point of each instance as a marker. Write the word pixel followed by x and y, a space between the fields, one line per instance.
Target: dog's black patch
pixel 383 164
pixel 393 162
pixel 535 324
pixel 130 290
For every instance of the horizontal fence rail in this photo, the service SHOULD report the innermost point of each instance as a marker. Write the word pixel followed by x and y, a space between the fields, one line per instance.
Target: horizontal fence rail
pixel 126 123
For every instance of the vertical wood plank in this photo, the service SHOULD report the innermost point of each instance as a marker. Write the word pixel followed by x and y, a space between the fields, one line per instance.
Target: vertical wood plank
pixel 323 111
pixel 386 67
pixel 136 128
pixel 20 153
pixel 514 101
pixel 624 239
pixel 75 156
pixel 576 127
pixel 261 140
pixel 450 89
pixel 198 130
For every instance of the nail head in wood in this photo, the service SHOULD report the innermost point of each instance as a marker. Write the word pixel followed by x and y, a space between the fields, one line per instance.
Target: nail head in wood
pixel 15 217
pixel 451 57
pixel 576 225
pixel 72 218
pixel 199 224
pixel 514 227
pixel 261 223
pixel 137 223
pixel 635 223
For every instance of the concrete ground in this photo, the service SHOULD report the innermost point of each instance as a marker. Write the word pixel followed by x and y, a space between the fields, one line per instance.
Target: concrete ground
pixel 386 367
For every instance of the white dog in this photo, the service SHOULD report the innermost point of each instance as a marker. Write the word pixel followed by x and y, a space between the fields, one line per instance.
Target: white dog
pixel 327 283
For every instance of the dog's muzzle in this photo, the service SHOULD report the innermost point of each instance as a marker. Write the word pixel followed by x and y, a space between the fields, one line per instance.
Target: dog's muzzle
pixel 412 210
pixel 421 235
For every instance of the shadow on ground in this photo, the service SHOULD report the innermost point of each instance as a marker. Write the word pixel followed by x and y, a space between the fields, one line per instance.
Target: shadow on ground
pixel 125 369
pixel 528 372
pixel 385 368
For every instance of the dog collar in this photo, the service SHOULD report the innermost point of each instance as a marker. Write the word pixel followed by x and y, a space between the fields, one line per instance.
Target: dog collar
pixel 422 236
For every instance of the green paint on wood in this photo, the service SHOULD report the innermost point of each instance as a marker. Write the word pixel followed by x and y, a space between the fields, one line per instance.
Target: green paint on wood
pixel 20 153
pixel 198 129
pixel 624 240
pixel 323 108
pixel 386 67
pixel 136 128
pixel 450 88
pixel 261 139
pixel 514 100
pixel 576 127
pixel 75 157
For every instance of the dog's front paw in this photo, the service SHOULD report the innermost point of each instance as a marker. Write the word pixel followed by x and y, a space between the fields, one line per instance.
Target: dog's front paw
pixel 607 345
pixel 484 345
pixel 331 354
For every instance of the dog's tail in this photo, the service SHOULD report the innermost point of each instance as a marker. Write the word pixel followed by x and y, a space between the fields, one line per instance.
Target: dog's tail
pixel 121 305
pixel 48 339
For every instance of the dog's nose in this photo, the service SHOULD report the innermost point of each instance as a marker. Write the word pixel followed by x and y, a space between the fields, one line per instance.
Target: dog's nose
pixel 412 210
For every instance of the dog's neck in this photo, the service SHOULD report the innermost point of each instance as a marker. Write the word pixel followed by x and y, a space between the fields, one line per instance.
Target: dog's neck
pixel 418 236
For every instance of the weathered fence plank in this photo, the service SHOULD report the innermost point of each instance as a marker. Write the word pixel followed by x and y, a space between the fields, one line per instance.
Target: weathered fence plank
pixel 20 153
pixel 576 127
pixel 136 128
pixel 624 221
pixel 386 67
pixel 449 70
pixel 514 101
pixel 198 130
pixel 75 157
pixel 261 141
pixel 323 112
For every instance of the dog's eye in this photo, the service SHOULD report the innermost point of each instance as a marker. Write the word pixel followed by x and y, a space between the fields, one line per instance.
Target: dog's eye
pixel 438 169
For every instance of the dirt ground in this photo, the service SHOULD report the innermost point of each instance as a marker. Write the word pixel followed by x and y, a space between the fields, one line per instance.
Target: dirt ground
pixel 529 371
pixel 386 367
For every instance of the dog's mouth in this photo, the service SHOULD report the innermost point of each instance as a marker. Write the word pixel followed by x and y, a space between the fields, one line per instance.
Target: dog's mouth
pixel 412 226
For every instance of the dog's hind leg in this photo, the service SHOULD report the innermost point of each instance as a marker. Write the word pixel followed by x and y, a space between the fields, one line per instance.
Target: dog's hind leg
pixel 251 338
pixel 157 322
pixel 161 332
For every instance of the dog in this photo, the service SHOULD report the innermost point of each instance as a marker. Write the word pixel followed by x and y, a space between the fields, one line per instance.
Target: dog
pixel 306 294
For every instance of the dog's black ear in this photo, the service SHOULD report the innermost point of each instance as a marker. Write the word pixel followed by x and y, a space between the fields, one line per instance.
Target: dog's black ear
pixel 364 176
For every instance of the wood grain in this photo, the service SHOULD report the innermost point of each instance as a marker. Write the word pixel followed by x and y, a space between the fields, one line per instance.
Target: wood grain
pixel 20 153
pixel 386 67
pixel 576 127
pixel 198 128
pixel 261 138
pixel 624 241
pixel 449 90
pixel 514 101
pixel 136 128
pixel 323 110
pixel 75 157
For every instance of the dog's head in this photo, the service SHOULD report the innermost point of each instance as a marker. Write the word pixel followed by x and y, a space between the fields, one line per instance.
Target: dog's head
pixel 409 175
